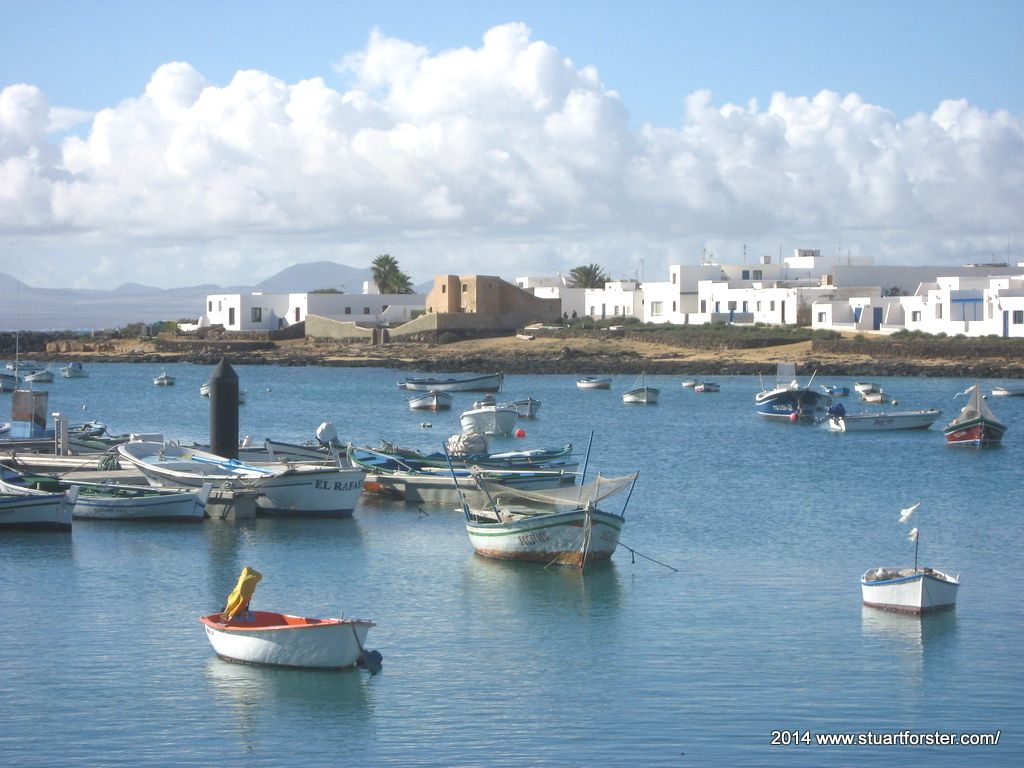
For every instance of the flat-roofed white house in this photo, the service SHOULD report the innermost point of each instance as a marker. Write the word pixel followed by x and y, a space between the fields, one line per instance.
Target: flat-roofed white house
pixel 954 305
pixel 618 298
pixel 259 311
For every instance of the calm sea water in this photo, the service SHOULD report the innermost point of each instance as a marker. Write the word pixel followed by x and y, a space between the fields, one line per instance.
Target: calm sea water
pixel 103 661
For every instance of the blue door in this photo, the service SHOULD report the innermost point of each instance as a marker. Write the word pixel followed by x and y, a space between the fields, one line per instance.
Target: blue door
pixel 856 314
pixel 876 321
pixel 1006 323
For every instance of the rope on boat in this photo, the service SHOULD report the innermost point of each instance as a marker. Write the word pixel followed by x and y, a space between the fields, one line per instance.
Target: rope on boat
pixel 645 557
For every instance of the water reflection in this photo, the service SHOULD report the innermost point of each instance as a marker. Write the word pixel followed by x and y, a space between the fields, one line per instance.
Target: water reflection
pixel 917 638
pixel 258 697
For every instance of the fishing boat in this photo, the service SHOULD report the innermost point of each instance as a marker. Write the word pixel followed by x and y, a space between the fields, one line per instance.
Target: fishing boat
pixel 594 382
pixel 41 376
pixel 564 526
pixel 876 397
pixel 641 393
pixel 74 370
pixel 975 424
pixel 434 400
pixel 690 383
pixel 706 386
pixel 164 380
pixel 113 501
pixel 526 408
pixel 789 400
pixel 460 455
pixel 911 590
pixel 488 417
pixel 285 488
pixel 841 421
pixel 37 511
pixel 283 640
pixel 489 383
pixel 835 390
pixel 865 386
pixel 206 387
pixel 405 479
pixel 1007 391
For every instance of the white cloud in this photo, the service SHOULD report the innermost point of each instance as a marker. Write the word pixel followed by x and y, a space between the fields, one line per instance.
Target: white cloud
pixel 507 150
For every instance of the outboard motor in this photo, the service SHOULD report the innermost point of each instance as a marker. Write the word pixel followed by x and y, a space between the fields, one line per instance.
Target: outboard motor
pixel 836 410
pixel 327 435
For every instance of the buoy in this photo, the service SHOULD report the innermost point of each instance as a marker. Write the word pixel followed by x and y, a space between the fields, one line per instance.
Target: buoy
pixel 893 402
pixel 794 416
pixel 520 432
pixel 83 406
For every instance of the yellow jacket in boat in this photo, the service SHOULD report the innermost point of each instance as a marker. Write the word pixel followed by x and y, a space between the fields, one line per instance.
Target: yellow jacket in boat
pixel 240 596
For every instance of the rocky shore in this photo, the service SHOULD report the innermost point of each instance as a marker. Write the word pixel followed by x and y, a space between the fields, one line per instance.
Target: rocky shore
pixel 610 355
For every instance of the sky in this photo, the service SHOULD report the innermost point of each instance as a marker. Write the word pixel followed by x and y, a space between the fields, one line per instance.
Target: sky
pixel 187 143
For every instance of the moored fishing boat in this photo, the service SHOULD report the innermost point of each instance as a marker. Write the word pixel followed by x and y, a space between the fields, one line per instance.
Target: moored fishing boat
pixel 912 590
pixel 706 386
pixel 999 391
pixel 488 417
pixel 37 511
pixel 41 376
pixel 74 370
pixel 563 526
pixel 594 382
pixel 488 383
pixel 790 401
pixel 283 640
pixel 526 408
pixel 164 380
pixel 835 390
pixel 285 489
pixel 841 421
pixel 975 424
pixel 434 400
pixel 640 393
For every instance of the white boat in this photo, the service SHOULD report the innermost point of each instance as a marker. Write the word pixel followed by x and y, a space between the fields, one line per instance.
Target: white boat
pixel 527 409
pixel 285 489
pixel 865 386
pixel 434 400
pixel 563 526
pixel 690 383
pixel 205 387
pixel 706 386
pixel 74 370
pixel 487 417
pixel 42 376
pixel 876 396
pixel 1008 391
pixel 37 511
pixel 641 393
pixel 488 383
pixel 841 421
pixel 835 390
pixel 594 382
pixel 789 400
pixel 164 380
pixel 913 590
pixel 284 640
pixel 113 501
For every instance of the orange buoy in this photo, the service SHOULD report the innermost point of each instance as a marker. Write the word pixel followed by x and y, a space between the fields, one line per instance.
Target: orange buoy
pixel 520 432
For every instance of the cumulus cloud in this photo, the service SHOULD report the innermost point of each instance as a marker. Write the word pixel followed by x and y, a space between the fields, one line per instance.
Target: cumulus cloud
pixel 507 149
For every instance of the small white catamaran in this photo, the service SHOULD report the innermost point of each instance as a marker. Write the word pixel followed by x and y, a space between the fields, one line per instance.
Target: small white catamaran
pixel 911 590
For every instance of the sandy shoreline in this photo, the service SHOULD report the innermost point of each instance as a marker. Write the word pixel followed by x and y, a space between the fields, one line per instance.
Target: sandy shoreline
pixel 554 356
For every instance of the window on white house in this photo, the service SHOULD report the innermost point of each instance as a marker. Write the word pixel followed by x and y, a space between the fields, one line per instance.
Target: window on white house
pixel 348 310
pixel 673 306
pixel 771 306
pixel 744 306
pixel 732 306
pixel 703 306
pixel 758 305
pixel 366 310
pixel 1018 317
pixel 257 314
pixel 757 274
pixel 915 316
pixel 938 311
pixel 821 317
pixel 655 309
pixel 673 278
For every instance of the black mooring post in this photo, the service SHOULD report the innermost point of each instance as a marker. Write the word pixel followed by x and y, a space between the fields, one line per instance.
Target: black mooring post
pixel 224 411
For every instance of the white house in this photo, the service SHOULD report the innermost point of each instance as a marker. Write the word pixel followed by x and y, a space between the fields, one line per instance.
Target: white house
pixel 260 311
pixel 618 298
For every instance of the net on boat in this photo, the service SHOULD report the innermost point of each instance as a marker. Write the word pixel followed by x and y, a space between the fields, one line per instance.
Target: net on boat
pixel 491 494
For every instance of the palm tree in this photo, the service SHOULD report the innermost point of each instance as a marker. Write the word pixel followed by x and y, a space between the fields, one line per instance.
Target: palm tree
pixel 587 276
pixel 388 277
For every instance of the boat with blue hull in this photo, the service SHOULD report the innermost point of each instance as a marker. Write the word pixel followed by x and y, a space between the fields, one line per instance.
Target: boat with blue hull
pixel 789 401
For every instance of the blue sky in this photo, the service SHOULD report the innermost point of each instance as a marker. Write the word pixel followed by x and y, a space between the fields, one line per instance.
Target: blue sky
pixel 639 67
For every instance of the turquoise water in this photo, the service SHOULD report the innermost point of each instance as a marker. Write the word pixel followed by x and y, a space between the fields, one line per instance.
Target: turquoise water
pixel 102 660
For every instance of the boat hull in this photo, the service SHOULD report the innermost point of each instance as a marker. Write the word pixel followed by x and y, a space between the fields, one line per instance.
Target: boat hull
pixel 882 422
pixel 641 396
pixel 432 401
pixel 35 512
pixel 489 383
pixel 548 538
pixel 177 507
pixel 782 404
pixel 594 383
pixel 489 421
pixel 288 641
pixel 440 488
pixel 1008 391
pixel 920 592
pixel 980 432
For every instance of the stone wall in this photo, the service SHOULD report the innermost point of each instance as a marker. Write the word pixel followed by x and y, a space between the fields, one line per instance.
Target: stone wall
pixel 924 348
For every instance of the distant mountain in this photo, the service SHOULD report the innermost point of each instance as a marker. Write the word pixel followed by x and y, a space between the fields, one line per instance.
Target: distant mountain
pixel 24 307
pixel 315 275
